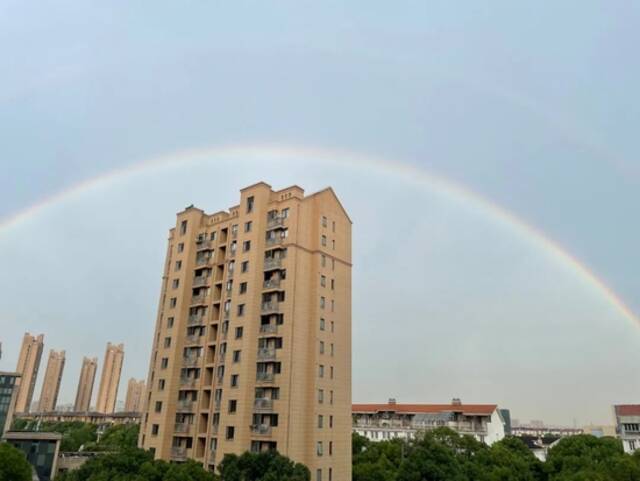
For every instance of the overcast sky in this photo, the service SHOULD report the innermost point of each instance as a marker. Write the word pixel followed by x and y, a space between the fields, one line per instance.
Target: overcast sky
pixel 535 109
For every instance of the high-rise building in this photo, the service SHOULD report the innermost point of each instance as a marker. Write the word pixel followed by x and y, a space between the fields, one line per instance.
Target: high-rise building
pixel 134 401
pixel 9 384
pixel 85 384
pixel 52 379
pixel 252 345
pixel 28 365
pixel 110 378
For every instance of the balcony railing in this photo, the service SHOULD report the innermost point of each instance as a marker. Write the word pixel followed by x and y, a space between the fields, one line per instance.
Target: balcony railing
pixel 226 314
pixel 261 429
pixel 199 299
pixel 182 428
pixel 191 361
pixel 188 381
pixel 178 453
pixel 263 404
pixel 216 406
pixel 195 319
pixel 272 263
pixel 265 376
pixel 268 329
pixel 202 261
pixel 273 241
pixel 275 222
pixel 192 339
pixel 211 457
pixel 270 306
pixel 204 244
pixel 273 283
pixel 199 281
pixel 266 354
pixel 185 405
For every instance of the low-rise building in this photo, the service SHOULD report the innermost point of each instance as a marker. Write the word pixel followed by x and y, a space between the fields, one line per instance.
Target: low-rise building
pixel 542 431
pixel 41 449
pixel 380 422
pixel 627 417
pixel 9 384
pixel 99 419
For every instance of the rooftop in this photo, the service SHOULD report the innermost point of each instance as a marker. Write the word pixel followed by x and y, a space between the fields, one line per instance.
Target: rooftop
pixel 473 409
pixel 627 409
pixel 30 435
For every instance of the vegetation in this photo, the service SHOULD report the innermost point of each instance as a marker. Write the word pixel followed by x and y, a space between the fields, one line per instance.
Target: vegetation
pixel 443 455
pixel 266 466
pixel 13 464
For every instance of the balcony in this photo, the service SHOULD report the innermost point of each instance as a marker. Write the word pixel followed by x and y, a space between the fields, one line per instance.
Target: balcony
pixel 178 453
pixel 182 428
pixel 200 281
pixel 195 320
pixel 275 241
pixel 275 222
pixel 216 406
pixel 266 354
pixel 272 263
pixel 188 382
pixel 261 429
pixel 270 307
pixel 263 404
pixel 269 329
pixel 204 244
pixel 268 377
pixel 211 457
pixel 199 299
pixel 221 356
pixel 202 261
pixel 192 339
pixel 191 361
pixel 185 405
pixel 273 283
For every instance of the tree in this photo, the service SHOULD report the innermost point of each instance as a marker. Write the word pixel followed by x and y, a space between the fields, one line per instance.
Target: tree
pixel 265 466
pixel 508 460
pixel 13 464
pixel 116 437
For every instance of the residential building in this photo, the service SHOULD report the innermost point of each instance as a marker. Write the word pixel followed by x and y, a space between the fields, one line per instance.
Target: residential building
pixel 28 365
pixel 135 396
pixel 87 417
pixel 9 384
pixel 600 430
pixel 52 380
pixel 41 450
pixel 380 422
pixel 252 345
pixel 110 378
pixel 542 431
pixel 627 419
pixel 85 384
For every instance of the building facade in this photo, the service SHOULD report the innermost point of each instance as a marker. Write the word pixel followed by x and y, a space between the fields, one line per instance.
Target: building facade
pixel 28 366
pixel 627 419
pixel 9 384
pixel 135 396
pixel 52 380
pixel 252 345
pixel 379 422
pixel 85 384
pixel 41 450
pixel 110 378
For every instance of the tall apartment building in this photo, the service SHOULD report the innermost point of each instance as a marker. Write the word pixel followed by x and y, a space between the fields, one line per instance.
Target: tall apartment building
pixel 9 385
pixel 85 384
pixel 135 396
pixel 252 345
pixel 28 365
pixel 52 380
pixel 110 378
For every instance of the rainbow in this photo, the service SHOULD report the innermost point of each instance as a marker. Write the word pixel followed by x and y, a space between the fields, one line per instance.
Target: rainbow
pixel 408 172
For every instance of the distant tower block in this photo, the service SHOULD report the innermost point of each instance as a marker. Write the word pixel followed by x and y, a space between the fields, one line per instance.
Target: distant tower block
pixel 85 384
pixel 52 379
pixel 110 379
pixel 28 365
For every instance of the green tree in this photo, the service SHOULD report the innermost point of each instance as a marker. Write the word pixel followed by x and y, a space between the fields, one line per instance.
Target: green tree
pixel 265 466
pixel 13 464
pixel 116 437
pixel 507 460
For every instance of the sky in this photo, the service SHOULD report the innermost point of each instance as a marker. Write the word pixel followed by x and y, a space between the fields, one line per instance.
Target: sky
pixel 532 109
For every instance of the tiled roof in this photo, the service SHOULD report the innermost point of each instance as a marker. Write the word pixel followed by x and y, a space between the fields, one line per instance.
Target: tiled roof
pixel 476 409
pixel 627 409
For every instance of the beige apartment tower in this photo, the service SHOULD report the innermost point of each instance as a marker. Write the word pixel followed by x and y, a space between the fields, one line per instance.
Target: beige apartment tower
pixel 28 365
pixel 252 345
pixel 52 380
pixel 110 378
pixel 85 384
pixel 135 396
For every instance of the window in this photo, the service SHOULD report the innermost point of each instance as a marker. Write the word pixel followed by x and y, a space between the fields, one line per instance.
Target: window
pixel 183 227
pixel 154 429
pixel 178 265
pixel 333 284
pixel 330 469
pixel 231 432
pixel 331 372
pixel 169 322
pixel 158 407
pixel 167 342
pixel 239 332
pixel 181 247
pixel 333 226
pixel 250 204
pixel 285 213
pixel 323 260
pixel 324 221
pixel 333 244
pixel 332 326
pixel 319 448
pixel 164 363
pixel 240 310
pixel 333 305
pixel 213 236
pixel 172 302
pixel 323 281
pixel 236 356
pixel 244 267
pixel 330 454
pixel 332 349
pixel 234 380
pixel 331 421
pixel 321 347
pixel 246 246
pixel 318 474
pixel 175 283
pixel 243 288
pixel 160 384
pixel 322 302
pixel 333 264
pixel 330 397
pixel 320 396
pixel 320 421
pixel 320 370
pixel 234 230
pixel 323 240
pixel 233 405
pixel 322 324
pixel 247 226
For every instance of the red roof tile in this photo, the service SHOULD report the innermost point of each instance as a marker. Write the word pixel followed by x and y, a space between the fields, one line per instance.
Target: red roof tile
pixel 476 409
pixel 628 409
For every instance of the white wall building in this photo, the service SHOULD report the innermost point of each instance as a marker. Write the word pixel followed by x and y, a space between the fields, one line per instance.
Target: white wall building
pixel 627 417
pixel 379 422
